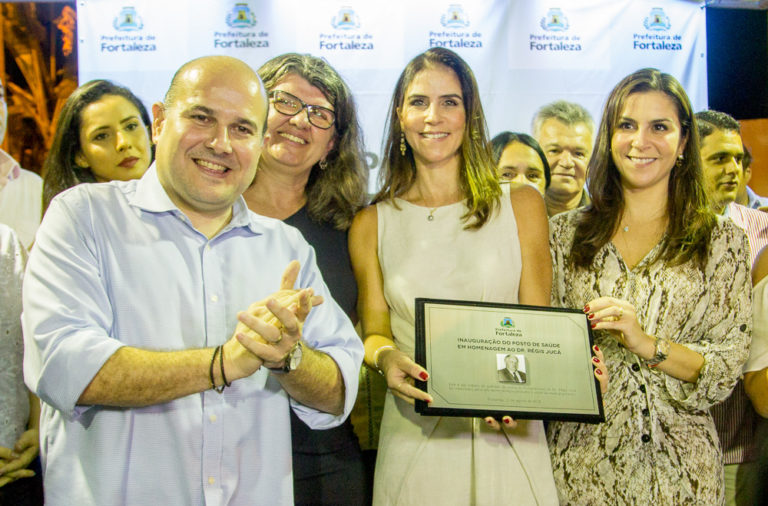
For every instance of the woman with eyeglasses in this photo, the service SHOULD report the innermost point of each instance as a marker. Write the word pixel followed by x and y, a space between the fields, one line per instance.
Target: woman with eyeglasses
pixel 312 176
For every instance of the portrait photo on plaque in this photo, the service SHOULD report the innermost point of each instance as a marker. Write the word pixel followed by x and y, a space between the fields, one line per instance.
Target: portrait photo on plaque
pixel 510 368
pixel 488 359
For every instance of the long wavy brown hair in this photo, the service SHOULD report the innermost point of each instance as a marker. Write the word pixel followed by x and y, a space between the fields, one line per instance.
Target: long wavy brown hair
pixel 690 219
pixel 60 169
pixel 336 192
pixel 477 178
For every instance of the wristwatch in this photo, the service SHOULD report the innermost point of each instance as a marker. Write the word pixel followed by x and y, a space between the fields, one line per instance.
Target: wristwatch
pixel 662 352
pixel 292 359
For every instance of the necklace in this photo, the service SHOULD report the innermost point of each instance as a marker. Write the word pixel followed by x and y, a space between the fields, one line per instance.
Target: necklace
pixel 431 216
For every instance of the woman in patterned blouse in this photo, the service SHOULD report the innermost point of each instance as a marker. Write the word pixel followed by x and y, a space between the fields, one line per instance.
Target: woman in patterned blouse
pixel 666 286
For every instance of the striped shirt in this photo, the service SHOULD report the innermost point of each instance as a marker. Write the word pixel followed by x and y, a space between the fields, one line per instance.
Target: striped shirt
pixel 735 419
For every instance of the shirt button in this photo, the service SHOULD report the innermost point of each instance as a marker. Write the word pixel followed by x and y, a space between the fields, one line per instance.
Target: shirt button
pixel 645 438
pixel 635 367
pixel 212 418
pixel 646 412
pixel 211 480
pixel 214 298
pixel 642 388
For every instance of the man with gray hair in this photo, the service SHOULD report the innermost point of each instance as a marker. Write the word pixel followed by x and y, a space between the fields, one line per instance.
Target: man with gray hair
pixel 565 131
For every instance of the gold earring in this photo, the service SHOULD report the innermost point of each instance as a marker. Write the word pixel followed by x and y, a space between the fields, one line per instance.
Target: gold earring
pixel 402 143
pixel 323 164
pixel 679 162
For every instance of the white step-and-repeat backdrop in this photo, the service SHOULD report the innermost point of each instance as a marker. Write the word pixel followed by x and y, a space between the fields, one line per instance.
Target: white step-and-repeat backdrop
pixel 524 53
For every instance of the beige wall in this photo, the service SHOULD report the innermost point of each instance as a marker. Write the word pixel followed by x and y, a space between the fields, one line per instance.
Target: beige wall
pixel 754 132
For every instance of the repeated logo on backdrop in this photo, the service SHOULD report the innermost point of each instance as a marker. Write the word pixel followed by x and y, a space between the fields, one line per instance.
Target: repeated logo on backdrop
pixel 241 17
pixel 555 21
pixel 657 36
pixel 131 40
pixel 128 20
pixel 557 36
pixel 242 20
pixel 347 34
pixel 346 19
pixel 657 20
pixel 455 19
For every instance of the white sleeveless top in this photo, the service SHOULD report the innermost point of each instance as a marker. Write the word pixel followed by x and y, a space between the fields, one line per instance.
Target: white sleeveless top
pixel 452 460
pixel 440 259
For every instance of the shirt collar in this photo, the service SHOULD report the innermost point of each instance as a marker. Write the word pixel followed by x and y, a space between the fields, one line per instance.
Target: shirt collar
pixel 150 196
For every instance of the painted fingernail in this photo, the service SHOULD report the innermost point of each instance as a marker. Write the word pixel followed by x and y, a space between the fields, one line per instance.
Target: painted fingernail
pixel 596 360
pixel 593 325
pixel 599 372
pixel 507 420
pixel 423 376
pixel 586 309
pixel 596 348
pixel 591 315
pixel 489 422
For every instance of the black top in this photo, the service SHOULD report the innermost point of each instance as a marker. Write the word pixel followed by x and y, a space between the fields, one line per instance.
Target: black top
pixel 332 258
pixel 333 261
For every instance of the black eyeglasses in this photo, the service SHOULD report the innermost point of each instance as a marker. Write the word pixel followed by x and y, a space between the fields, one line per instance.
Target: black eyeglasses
pixel 290 105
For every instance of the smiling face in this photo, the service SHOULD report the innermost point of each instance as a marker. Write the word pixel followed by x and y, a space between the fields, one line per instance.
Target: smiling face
pixel 432 117
pixel 647 140
pixel 292 144
pixel 722 153
pixel 114 141
pixel 521 164
pixel 567 148
pixel 209 137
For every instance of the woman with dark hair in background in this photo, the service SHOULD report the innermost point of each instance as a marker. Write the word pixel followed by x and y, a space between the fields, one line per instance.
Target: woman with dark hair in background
pixel 666 285
pixel 312 176
pixel 520 159
pixel 102 134
pixel 443 227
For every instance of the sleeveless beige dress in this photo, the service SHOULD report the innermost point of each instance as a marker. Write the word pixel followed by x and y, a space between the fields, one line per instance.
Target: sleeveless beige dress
pixel 448 460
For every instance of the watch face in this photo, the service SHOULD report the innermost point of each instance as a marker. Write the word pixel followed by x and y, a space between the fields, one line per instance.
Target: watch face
pixel 296 357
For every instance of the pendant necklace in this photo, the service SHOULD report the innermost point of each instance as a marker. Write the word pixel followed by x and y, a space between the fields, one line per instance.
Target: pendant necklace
pixel 431 215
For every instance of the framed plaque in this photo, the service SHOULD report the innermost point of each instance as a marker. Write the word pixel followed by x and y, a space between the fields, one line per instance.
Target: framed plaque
pixel 488 359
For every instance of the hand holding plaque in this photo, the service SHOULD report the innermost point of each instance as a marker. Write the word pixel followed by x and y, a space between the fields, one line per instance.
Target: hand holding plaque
pixel 401 373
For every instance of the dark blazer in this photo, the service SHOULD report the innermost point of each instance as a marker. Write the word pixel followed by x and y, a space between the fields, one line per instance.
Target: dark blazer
pixel 505 375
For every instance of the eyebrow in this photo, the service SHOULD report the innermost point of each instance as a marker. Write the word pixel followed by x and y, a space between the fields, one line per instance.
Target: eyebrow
pixel 211 112
pixel 725 152
pixel 102 127
pixel 450 95
pixel 657 120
